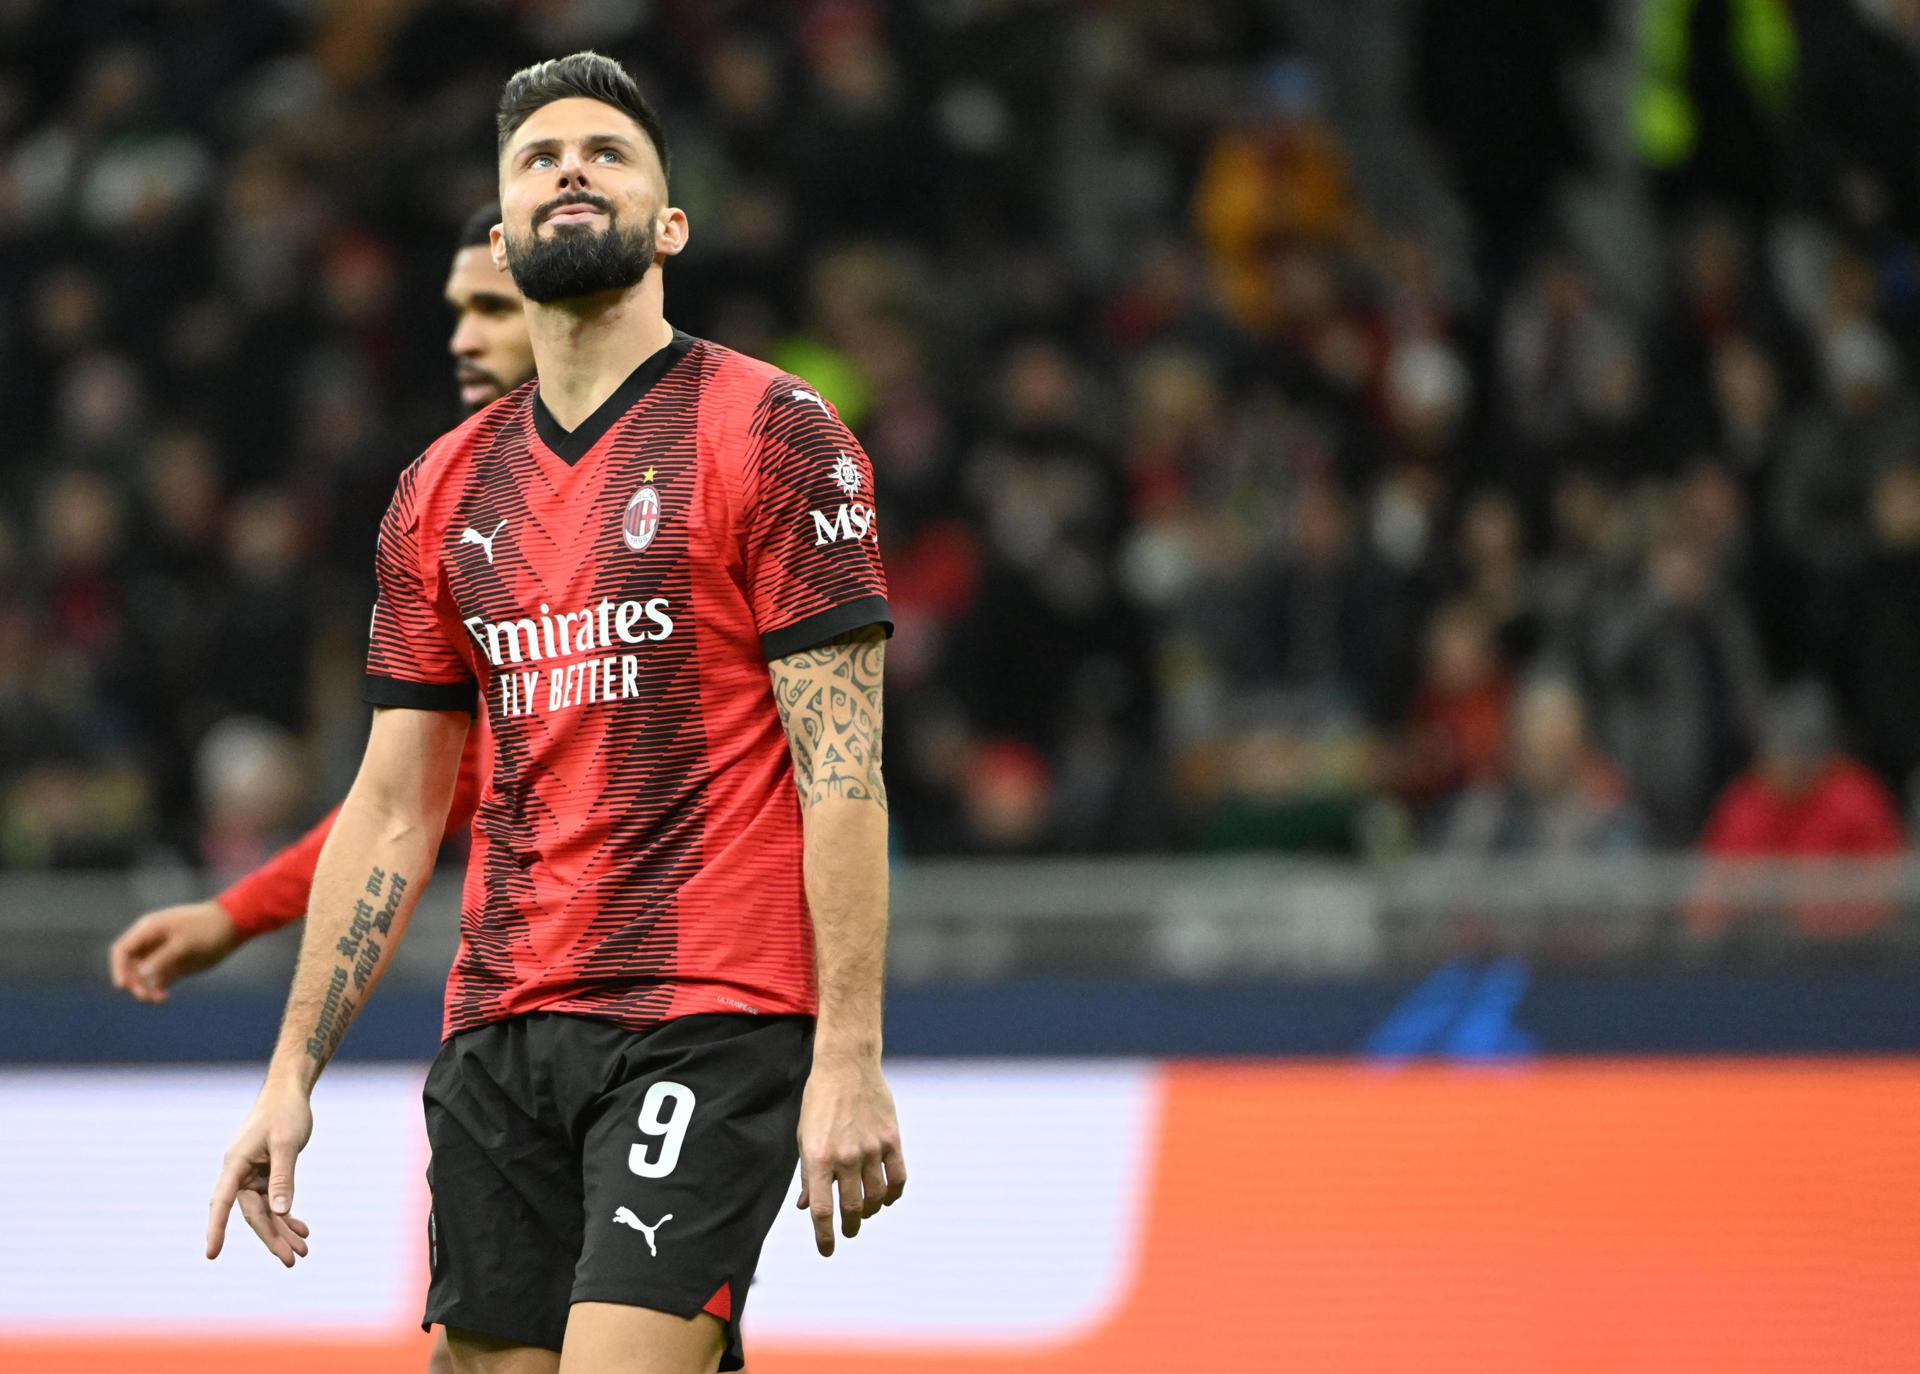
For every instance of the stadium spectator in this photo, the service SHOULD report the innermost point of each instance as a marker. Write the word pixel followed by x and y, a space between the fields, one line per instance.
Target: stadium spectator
pixel 1805 799
pixel 1804 796
pixel 1678 681
pixel 1276 180
pixel 1748 402
pixel 1711 349
pixel 1495 574
pixel 1456 734
pixel 1884 663
pixel 249 771
pixel 1867 422
pixel 1569 371
pixel 1428 394
pixel 1562 797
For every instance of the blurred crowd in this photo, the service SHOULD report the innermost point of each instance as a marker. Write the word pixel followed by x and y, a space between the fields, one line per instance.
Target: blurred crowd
pixel 1221 509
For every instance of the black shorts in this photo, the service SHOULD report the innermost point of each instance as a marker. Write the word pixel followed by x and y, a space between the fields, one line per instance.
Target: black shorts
pixel 577 1161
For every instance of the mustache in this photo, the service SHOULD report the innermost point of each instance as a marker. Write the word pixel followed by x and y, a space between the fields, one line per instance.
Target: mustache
pixel 469 372
pixel 600 203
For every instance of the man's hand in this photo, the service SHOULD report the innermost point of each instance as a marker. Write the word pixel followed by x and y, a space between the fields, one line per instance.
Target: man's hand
pixel 166 945
pixel 258 1172
pixel 849 1135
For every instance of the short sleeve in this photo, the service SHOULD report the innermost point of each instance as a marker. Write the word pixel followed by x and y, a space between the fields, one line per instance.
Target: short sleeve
pixel 812 527
pixel 409 659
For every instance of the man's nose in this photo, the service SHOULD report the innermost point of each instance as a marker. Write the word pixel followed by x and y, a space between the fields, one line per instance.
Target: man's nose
pixel 466 341
pixel 573 171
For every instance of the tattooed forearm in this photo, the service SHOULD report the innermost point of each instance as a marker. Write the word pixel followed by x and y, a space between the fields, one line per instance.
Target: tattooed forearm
pixel 377 859
pixel 335 1013
pixel 830 706
pixel 358 953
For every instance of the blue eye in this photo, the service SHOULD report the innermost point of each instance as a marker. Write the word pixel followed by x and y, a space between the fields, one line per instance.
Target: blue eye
pixel 538 159
pixel 608 153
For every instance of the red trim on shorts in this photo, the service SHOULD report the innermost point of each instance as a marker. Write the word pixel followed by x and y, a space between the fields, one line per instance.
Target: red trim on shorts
pixel 721 1303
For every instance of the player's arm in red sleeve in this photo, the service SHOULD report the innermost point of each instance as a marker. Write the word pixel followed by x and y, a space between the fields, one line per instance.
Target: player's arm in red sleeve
pixel 375 863
pixel 166 945
pixel 819 597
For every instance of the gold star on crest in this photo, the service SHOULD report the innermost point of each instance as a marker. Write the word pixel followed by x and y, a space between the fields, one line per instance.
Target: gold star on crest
pixel 647 476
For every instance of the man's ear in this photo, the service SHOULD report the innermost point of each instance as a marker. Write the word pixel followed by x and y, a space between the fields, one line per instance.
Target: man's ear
pixel 671 232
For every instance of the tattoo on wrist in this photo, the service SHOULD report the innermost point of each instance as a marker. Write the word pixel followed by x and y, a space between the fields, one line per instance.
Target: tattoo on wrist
pixel 331 1026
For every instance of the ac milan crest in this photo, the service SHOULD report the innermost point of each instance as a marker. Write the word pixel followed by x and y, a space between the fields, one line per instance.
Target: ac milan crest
pixel 641 521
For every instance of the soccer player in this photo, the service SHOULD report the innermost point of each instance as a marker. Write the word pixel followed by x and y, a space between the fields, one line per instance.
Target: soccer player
pixel 492 355
pixel 656 573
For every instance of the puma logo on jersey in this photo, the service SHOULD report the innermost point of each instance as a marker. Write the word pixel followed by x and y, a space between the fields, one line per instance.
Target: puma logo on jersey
pixel 625 1217
pixel 800 393
pixel 485 541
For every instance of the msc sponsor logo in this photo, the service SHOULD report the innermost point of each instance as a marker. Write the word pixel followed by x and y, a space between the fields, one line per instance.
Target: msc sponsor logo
pixel 851 521
pixel 606 626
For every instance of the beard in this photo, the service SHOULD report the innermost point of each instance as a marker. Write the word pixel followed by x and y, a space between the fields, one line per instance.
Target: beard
pixel 578 260
pixel 488 384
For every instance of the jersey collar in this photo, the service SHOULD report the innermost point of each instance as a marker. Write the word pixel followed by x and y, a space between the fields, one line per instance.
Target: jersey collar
pixel 570 446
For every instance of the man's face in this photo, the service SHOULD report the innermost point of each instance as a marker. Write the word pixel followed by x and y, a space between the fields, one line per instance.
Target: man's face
pixel 583 203
pixel 491 352
pixel 1551 740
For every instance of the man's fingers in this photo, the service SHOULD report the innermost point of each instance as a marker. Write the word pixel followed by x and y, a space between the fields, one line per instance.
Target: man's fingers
pixel 276 1233
pixel 852 1196
pixel 297 1226
pixel 896 1174
pixel 134 942
pixel 153 980
pixel 873 1186
pixel 143 964
pixel 119 962
pixel 295 1239
pixel 222 1206
pixel 819 1195
pixel 266 1226
pixel 280 1157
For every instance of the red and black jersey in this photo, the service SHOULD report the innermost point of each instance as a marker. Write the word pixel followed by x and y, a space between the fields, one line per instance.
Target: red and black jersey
pixel 610 597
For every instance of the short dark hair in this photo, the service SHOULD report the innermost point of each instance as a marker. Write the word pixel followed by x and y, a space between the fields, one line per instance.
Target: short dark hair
pixel 586 75
pixel 477 232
